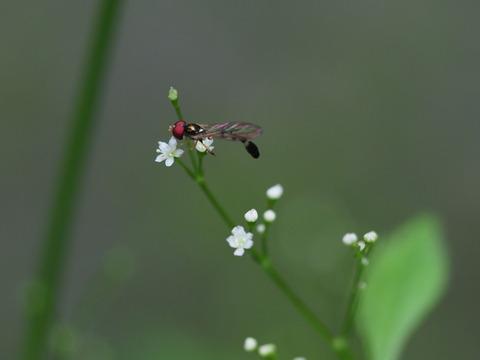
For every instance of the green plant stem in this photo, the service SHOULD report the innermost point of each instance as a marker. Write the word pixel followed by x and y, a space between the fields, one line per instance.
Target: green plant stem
pixel 307 313
pixel 43 297
pixel 176 106
pixel 353 300
pixel 185 167
pixel 263 260
pixel 206 190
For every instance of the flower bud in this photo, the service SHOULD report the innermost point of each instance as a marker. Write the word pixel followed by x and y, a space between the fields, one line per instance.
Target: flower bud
pixel 370 237
pixel 250 344
pixel 251 215
pixel 267 351
pixel 173 94
pixel 275 192
pixel 349 239
pixel 269 216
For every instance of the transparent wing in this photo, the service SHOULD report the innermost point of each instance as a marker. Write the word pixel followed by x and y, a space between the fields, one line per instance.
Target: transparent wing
pixel 229 131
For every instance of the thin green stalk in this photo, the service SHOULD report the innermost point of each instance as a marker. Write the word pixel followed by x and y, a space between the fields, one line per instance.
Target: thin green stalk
pixel 185 167
pixel 353 300
pixel 174 99
pixel 307 313
pixel 200 180
pixel 213 200
pixel 43 298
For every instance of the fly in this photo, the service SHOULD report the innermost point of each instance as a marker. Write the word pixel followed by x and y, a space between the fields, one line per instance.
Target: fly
pixel 243 132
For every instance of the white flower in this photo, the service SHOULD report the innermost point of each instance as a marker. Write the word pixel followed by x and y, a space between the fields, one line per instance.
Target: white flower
pixel 299 358
pixel 370 237
pixel 275 192
pixel 261 228
pixel 201 147
pixel 269 216
pixel 267 350
pixel 168 151
pixel 250 344
pixel 361 245
pixel 240 240
pixel 349 239
pixel 251 215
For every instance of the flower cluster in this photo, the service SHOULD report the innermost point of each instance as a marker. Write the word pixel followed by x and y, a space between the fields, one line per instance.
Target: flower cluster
pixel 360 246
pixel 242 240
pixel 266 351
pixel 169 152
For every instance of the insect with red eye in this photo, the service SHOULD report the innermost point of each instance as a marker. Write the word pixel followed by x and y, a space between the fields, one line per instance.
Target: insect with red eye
pixel 235 131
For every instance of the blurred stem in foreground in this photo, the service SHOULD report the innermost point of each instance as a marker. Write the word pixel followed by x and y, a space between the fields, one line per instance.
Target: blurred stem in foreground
pixel 42 299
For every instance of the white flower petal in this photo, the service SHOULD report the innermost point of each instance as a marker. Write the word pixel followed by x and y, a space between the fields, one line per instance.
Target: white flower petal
pixel 163 146
pixel 239 252
pixel 231 241
pixel 160 158
pixel 169 161
pixel 172 143
pixel 178 152
pixel 201 146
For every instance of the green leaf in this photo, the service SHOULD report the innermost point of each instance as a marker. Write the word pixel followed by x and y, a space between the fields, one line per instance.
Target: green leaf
pixel 406 277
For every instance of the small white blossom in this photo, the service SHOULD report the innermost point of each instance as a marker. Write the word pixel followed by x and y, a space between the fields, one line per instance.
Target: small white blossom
pixel 267 350
pixel 365 261
pixel 299 358
pixel 275 192
pixel 250 344
pixel 349 239
pixel 201 147
pixel 168 151
pixel 269 216
pixel 361 245
pixel 240 240
pixel 370 237
pixel 173 94
pixel 251 215
pixel 261 228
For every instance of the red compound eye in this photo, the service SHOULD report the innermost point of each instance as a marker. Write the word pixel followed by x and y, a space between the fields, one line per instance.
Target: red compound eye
pixel 179 129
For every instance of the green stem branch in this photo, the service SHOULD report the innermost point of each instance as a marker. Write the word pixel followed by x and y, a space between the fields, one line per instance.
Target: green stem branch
pixel 353 300
pixel 213 200
pixel 298 303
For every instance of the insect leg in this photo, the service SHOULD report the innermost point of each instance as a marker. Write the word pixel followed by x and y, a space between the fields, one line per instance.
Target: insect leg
pixel 206 147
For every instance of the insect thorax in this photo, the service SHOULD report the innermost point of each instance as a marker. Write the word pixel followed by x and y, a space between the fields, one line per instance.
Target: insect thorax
pixel 193 129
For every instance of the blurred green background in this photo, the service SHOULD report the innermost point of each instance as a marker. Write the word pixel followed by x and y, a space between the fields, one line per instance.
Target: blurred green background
pixel 370 116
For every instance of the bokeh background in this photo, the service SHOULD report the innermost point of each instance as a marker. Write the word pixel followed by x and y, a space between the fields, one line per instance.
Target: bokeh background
pixel 370 115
